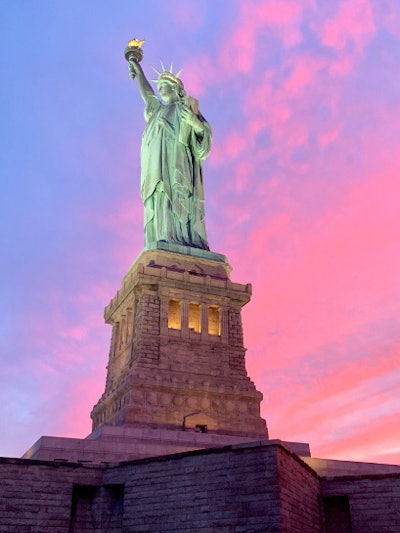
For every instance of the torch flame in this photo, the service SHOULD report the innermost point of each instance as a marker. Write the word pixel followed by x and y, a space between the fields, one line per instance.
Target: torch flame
pixel 136 42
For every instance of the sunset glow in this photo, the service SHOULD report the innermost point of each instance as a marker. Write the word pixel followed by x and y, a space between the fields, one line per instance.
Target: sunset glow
pixel 302 196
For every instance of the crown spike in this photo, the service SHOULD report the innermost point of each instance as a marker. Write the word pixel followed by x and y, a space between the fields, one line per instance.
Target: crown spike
pixel 168 76
pixel 170 69
pixel 179 73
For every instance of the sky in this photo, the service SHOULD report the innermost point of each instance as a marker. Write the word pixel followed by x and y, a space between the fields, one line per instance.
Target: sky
pixel 302 196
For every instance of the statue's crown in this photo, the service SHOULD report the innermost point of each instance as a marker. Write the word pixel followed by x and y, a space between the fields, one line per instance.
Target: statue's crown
pixel 168 76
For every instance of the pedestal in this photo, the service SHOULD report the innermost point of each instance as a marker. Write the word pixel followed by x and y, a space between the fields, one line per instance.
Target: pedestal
pixel 177 359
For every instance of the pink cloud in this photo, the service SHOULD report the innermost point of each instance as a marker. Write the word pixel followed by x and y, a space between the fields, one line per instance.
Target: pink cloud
pixel 326 331
pixel 244 170
pixel 335 407
pixel 239 44
pixel 348 33
pixel 387 15
pixel 283 17
pixel 238 52
pixel 234 143
pixel 361 443
pixel 271 104
pixel 83 395
pixel 188 14
pixel 327 136
pixel 301 76
pixel 254 18
pixel 77 333
pixel 198 73
pixel 352 23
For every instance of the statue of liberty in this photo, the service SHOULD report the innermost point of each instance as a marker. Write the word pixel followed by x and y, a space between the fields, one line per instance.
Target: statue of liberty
pixel 175 142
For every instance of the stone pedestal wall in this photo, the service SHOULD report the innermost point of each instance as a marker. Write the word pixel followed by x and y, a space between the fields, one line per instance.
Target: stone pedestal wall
pixel 177 358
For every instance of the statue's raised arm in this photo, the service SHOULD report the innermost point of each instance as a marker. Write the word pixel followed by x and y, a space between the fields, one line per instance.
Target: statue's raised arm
pixel 136 71
pixel 175 142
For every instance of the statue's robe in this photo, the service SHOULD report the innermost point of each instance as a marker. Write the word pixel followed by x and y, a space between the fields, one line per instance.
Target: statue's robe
pixel 171 180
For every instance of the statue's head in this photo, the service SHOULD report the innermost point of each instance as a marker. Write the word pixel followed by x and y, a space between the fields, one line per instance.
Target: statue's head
pixel 169 83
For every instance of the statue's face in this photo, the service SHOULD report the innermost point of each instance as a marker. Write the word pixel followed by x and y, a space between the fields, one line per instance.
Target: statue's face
pixel 167 93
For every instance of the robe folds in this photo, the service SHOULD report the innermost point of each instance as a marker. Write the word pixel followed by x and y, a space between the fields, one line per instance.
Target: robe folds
pixel 171 179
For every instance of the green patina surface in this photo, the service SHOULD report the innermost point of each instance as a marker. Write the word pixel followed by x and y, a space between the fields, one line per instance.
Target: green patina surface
pixel 175 142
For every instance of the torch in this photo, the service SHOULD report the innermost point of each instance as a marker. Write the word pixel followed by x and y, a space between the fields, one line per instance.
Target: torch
pixel 134 52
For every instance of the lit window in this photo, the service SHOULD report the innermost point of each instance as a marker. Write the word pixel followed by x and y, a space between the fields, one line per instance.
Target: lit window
pixel 214 320
pixel 174 314
pixel 195 317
